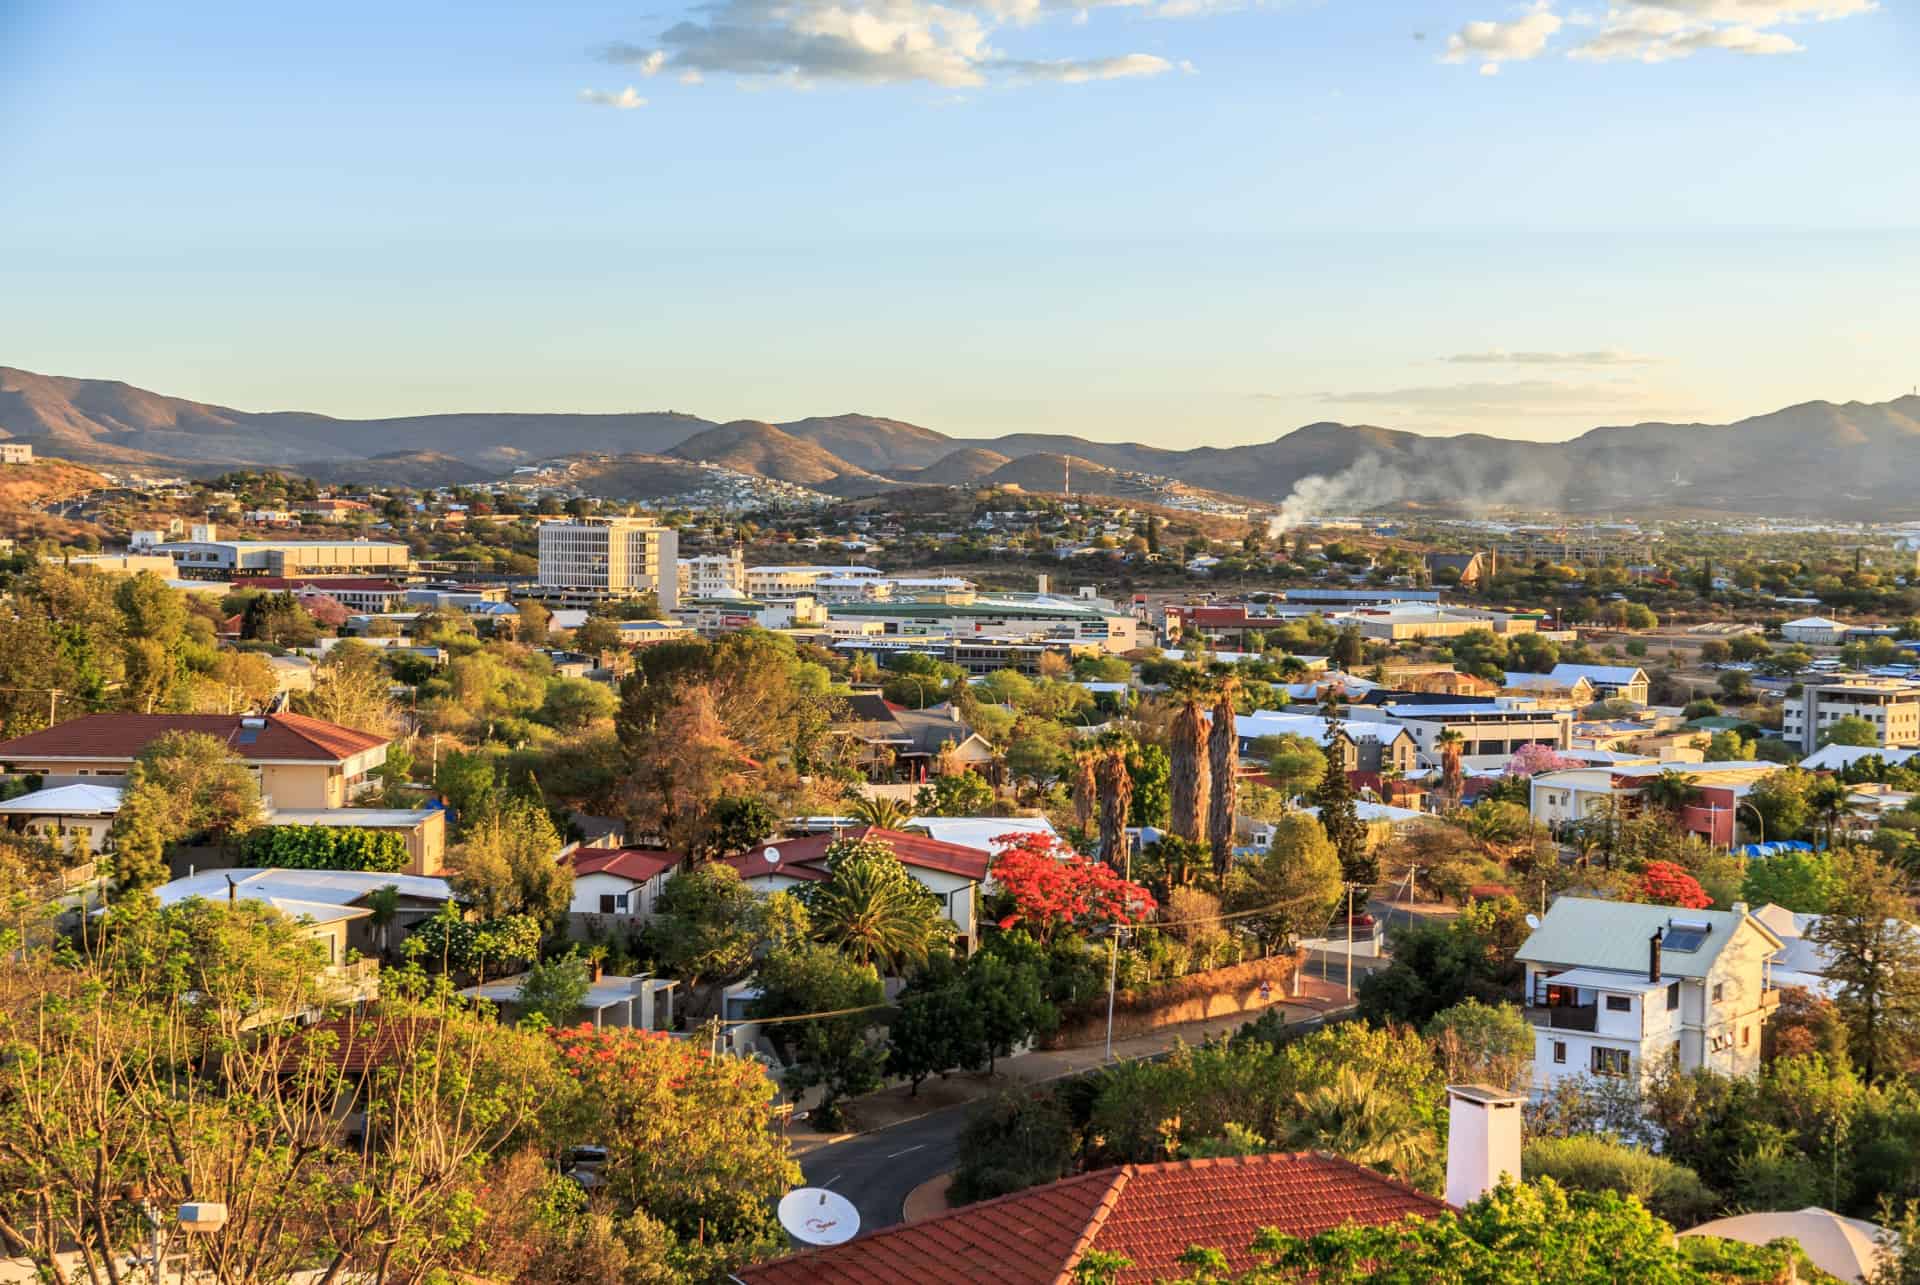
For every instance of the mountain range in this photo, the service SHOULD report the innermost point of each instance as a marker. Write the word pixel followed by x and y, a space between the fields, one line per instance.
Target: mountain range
pixel 1852 458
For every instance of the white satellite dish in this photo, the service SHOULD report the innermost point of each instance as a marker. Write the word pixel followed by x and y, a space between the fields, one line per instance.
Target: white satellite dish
pixel 1533 921
pixel 771 856
pixel 816 1216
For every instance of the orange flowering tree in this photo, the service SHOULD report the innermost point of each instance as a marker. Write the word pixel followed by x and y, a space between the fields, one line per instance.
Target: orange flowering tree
pixel 1050 886
pixel 690 1141
pixel 1663 883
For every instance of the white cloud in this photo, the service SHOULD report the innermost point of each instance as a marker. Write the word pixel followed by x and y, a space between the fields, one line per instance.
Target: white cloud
pixel 1596 357
pixel 625 100
pixel 1079 73
pixel 1651 32
pixel 1492 43
pixel 1490 399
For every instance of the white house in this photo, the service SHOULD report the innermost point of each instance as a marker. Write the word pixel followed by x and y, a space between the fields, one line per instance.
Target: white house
pixel 62 811
pixel 1608 682
pixel 618 883
pixel 1816 631
pixel 1616 988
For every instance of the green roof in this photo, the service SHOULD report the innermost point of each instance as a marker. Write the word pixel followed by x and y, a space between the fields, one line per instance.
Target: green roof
pixel 1717 723
pixel 1584 932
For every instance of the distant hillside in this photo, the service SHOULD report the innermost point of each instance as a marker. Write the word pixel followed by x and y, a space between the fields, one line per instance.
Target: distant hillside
pixel 399 468
pixel 635 477
pixel 1852 458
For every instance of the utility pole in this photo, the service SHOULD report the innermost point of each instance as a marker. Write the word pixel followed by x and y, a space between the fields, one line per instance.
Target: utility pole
pixel 1350 941
pixel 1113 969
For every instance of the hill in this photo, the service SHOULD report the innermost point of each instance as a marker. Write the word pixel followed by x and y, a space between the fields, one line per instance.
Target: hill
pixel 1837 458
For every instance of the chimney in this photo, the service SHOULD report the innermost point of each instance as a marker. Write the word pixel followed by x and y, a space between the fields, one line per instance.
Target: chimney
pixel 1653 955
pixel 1483 1140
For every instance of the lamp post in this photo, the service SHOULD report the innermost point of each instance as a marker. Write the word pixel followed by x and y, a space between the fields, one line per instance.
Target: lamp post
pixel 1757 816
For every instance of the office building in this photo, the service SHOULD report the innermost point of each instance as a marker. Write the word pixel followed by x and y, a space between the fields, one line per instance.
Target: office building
pixel 594 559
pixel 1890 705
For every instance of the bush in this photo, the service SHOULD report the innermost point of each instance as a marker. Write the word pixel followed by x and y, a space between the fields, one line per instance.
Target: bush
pixel 1672 1191
pixel 323 847
pixel 1010 1143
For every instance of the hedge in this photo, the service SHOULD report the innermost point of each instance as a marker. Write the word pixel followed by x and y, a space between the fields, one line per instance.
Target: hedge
pixel 323 847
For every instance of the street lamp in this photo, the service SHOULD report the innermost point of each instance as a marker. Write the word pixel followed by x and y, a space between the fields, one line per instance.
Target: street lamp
pixel 1757 815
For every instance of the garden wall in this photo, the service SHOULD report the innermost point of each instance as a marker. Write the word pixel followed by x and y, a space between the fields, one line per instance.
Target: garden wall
pixel 1219 992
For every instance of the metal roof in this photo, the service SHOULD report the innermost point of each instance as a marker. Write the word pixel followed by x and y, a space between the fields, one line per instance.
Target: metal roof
pixel 1584 932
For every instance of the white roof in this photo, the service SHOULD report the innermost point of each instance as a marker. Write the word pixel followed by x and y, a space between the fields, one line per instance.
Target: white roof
pixel 321 887
pixel 66 801
pixel 1813 622
pixel 365 818
pixel 1368 811
pixel 1607 979
pixel 1598 673
pixel 979 832
pixel 1830 758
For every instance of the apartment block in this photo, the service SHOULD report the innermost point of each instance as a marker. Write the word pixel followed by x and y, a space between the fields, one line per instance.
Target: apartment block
pixel 713 575
pixel 1891 705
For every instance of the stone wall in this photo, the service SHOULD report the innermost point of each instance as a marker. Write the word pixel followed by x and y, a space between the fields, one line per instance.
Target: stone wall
pixel 1219 992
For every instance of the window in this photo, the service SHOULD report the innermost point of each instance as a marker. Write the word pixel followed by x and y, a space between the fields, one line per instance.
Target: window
pixel 1717 989
pixel 1610 1062
pixel 1746 1036
pixel 1619 1004
pixel 1673 997
pixel 615 903
pixel 1560 1051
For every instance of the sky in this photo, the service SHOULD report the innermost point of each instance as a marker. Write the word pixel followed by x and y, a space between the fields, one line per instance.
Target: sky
pixel 1182 222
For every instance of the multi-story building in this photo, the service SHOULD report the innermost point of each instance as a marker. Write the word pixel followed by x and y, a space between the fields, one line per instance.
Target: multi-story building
pixel 228 559
pixel 1033 621
pixel 1576 794
pixel 713 575
pixel 594 559
pixel 1891 705
pixel 1407 621
pixel 16 453
pixel 1617 989
pixel 1489 728
pixel 771 584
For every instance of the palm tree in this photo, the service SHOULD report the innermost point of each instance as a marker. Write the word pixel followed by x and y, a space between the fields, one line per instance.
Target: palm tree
pixel 885 813
pixel 1356 1118
pixel 383 904
pixel 1452 779
pixel 1187 755
pixel 1669 792
pixel 1831 801
pixel 1116 801
pixel 875 911
pixel 1223 755
pixel 1086 788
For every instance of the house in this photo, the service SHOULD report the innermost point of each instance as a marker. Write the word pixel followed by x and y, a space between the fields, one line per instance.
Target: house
pixel 901 744
pixel 1147 1215
pixel 335 903
pixel 64 812
pixel 1578 693
pixel 617 883
pixel 301 762
pixel 1814 631
pixel 1365 747
pixel 1617 989
pixel 1558 799
pixel 1607 682
pixel 424 830
pixel 949 871
pixel 1464 569
pixel 1490 730
pixel 642 1001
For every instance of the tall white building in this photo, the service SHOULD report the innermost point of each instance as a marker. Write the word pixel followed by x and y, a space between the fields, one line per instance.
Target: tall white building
pixel 586 559
pixel 714 575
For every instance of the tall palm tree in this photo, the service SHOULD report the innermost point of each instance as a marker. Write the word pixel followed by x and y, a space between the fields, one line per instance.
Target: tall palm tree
pixel 1116 800
pixel 1187 761
pixel 1356 1118
pixel 1830 800
pixel 1223 765
pixel 383 905
pixel 1086 788
pixel 1452 778
pixel 885 813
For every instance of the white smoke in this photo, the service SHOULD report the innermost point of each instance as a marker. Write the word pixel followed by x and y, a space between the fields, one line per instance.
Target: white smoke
pixel 1371 484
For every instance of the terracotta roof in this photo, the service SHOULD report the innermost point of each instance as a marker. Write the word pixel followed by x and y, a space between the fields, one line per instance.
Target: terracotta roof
pixel 122 736
pixel 801 858
pixel 357 1045
pixel 1150 1214
pixel 637 864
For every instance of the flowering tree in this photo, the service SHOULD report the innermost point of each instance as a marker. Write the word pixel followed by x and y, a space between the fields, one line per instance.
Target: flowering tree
pixel 1052 886
pixel 1663 883
pixel 1533 758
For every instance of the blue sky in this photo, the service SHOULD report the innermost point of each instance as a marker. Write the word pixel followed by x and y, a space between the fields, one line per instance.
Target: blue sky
pixel 1180 222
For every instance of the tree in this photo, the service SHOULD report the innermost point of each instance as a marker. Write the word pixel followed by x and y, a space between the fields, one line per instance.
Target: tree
pixel 181 785
pixel 691 1140
pixel 1592 1163
pixel 325 847
pixel 554 989
pixel 575 704
pixel 1850 730
pixel 1356 1118
pixel 1529 760
pixel 740 822
pixel 1437 966
pixel 705 925
pixel 1803 882
pixel 887 814
pixel 836 1052
pixel 278 618
pixel 934 1030
pixel 677 776
pixel 1187 753
pixel 965 794
pixel 351 687
pixel 1292 762
pixel 508 864
pixel 1663 883
pixel 1484 1044
pixel 1334 800
pixel 1670 791
pixel 1049 887
pixel 1223 767
pixel 1781 800
pixel 1289 890
pixel 1006 998
pixel 1873 953
pixel 870 907
pixel 1116 800
pixel 466 782
pixel 533 623
pixel 1830 800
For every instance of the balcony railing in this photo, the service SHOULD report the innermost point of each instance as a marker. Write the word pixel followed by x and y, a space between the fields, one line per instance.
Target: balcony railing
pixel 1564 1017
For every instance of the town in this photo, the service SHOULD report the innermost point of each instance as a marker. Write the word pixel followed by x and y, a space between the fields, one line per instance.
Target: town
pixel 503 881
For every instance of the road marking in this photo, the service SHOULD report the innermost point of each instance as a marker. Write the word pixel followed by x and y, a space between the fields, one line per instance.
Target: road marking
pixel 909 1151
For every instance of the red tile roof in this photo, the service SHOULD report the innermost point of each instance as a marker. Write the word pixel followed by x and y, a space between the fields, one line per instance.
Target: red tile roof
pixel 276 737
pixel 1150 1214
pixel 637 864
pixel 801 858
pixel 357 1045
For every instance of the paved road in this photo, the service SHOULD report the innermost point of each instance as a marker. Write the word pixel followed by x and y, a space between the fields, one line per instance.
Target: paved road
pixel 877 1170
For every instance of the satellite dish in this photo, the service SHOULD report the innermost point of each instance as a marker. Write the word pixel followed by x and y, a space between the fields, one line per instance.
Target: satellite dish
pixel 1533 921
pixel 816 1216
pixel 771 856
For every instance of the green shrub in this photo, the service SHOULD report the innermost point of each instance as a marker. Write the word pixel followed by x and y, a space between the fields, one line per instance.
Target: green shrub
pixel 323 847
pixel 1672 1191
pixel 1012 1142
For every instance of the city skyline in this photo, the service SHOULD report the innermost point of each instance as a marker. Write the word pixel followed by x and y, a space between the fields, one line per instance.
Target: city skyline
pixel 1168 223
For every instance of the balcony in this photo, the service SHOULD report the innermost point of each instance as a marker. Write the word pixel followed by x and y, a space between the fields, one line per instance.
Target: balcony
pixel 1564 1017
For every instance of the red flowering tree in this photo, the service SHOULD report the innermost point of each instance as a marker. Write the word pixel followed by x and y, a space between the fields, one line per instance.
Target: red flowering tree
pixel 1663 883
pixel 690 1139
pixel 1052 887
